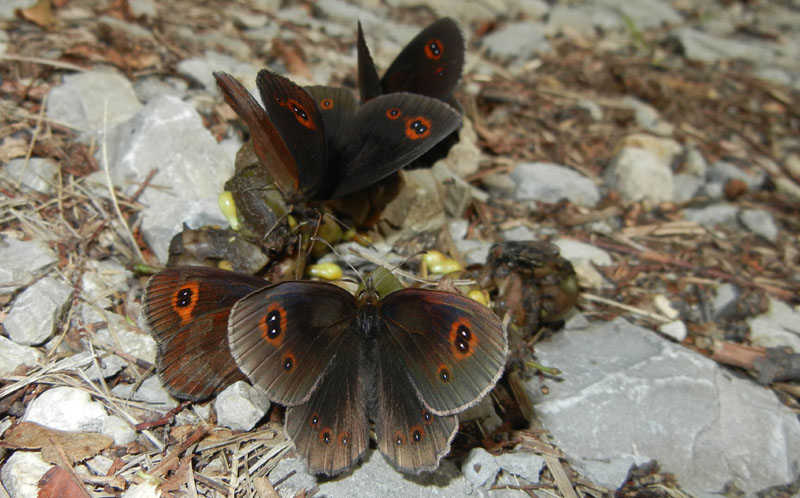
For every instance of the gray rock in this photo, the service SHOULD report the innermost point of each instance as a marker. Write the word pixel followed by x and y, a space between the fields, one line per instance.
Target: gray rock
pixel 518 41
pixel 456 193
pixel 463 158
pixel 3 41
pixel 585 19
pixel 640 174
pixel 8 7
pixel 671 404
pixel 37 310
pixel 103 278
pixel 759 222
pixel 500 185
pixel 611 473
pixel 694 163
pixel 346 13
pixel 120 431
pixel 644 14
pixel 248 20
pixel 591 108
pixel 723 171
pixel 151 87
pixel 124 336
pixel 40 174
pixel 574 251
pixel 240 406
pixel 66 409
pixel 724 298
pixel 80 100
pixel 473 252
pixel 699 46
pixel 21 261
pixel 675 329
pixel 298 477
pixel 685 187
pixel 12 355
pixel 143 8
pixel 200 69
pixel 150 391
pixel 714 215
pixel 520 232
pixel 168 134
pixel 418 207
pixel 647 117
pixel 99 464
pixel 527 466
pixel 551 183
pixel 143 490
pixel 21 474
pixel 778 327
pixel 110 365
pixel 458 228
pixel 376 478
pixel 480 467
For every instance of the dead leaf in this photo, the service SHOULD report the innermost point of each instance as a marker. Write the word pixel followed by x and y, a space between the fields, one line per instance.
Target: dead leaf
pixel 78 446
pixel 59 483
pixel 40 14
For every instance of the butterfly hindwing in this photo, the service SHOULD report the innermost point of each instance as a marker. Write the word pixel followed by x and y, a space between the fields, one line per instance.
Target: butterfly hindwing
pixel 331 430
pixel 453 349
pixel 387 133
pixel 284 337
pixel 187 311
pixel 369 83
pixel 411 437
pixel 337 107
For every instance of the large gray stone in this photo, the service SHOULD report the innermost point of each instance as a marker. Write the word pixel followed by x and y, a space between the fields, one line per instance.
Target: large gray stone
pixel 66 409
pixel 517 41
pixel 81 100
pixel 168 134
pixel 547 182
pixel 640 174
pixel 21 261
pixel 12 355
pixel 694 417
pixel 22 472
pixel 37 311
pixel 40 174
pixel 240 406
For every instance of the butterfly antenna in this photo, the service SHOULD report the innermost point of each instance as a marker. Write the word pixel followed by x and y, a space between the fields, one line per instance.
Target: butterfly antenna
pixel 334 251
pixel 346 227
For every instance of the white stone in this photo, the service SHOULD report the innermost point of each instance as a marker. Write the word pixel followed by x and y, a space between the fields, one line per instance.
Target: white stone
pixel 240 406
pixel 676 330
pixel 12 355
pixel 640 174
pixel 778 327
pixel 119 430
pixel 547 182
pixel 575 251
pixel 22 472
pixel 66 409
pixel 40 174
pixel 37 310
pixel 480 467
pixel 21 261
pixel 150 391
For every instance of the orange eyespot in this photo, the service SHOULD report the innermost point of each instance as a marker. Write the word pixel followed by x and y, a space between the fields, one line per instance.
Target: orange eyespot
pixel 344 438
pixel 325 436
pixel 185 300
pixel 326 104
pixel 418 127
pixel 462 339
pixel 393 113
pixel 314 421
pixel 416 434
pixel 299 113
pixel 399 438
pixel 444 373
pixel 433 49
pixel 288 362
pixel 273 324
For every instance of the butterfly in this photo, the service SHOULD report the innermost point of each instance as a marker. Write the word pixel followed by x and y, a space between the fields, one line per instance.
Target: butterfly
pixel 407 360
pixel 317 143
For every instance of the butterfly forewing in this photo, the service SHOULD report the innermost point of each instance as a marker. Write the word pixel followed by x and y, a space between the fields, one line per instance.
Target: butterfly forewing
pixel 430 64
pixel 387 133
pixel 369 83
pixel 298 120
pixel 337 107
pixel 454 349
pixel 411 437
pixel 283 337
pixel 331 430
pixel 267 141
pixel 187 311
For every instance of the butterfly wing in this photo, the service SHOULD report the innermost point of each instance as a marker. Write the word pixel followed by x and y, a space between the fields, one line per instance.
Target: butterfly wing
pixel 369 83
pixel 431 63
pixel 284 337
pixel 410 436
pixel 337 107
pixel 187 311
pixel 295 115
pixel 267 141
pixel 453 349
pixel 331 430
pixel 387 133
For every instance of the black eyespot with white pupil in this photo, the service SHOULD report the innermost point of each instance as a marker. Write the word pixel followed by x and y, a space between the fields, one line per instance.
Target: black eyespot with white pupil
pixel 273 324
pixel 326 437
pixel 416 436
pixel 419 127
pixel 184 298
pixel 434 48
pixel 463 336
pixel 300 112
pixel 444 375
pixel 288 363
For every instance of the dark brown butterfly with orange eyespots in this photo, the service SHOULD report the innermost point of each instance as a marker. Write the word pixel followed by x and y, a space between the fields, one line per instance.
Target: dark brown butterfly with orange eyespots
pixel 407 360
pixel 431 64
pixel 318 143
